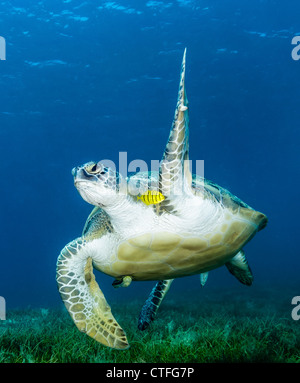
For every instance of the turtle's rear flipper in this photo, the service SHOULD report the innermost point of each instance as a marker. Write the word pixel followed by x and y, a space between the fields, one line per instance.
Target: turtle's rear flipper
pixel 153 302
pixel 124 282
pixel 83 298
pixel 203 278
pixel 238 266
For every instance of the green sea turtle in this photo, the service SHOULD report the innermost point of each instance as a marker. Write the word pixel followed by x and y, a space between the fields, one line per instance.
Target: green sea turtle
pixel 197 226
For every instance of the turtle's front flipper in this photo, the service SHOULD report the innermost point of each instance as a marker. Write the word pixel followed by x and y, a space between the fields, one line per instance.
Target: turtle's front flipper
pixel 83 298
pixel 174 171
pixel 153 302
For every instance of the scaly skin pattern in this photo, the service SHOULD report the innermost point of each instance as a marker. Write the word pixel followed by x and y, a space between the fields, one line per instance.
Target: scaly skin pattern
pixel 83 298
pixel 153 302
pixel 176 151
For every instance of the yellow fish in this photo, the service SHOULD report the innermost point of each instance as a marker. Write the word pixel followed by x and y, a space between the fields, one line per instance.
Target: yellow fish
pixel 152 197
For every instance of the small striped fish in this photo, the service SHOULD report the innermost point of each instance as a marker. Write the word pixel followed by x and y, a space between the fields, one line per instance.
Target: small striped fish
pixel 152 197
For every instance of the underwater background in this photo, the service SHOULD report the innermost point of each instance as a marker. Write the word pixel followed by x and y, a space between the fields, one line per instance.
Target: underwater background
pixel 85 80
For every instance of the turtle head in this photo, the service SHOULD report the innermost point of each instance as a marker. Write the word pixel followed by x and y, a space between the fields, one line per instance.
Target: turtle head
pixel 98 184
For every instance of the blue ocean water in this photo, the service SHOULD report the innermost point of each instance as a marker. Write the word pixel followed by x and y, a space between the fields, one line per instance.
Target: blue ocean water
pixel 86 80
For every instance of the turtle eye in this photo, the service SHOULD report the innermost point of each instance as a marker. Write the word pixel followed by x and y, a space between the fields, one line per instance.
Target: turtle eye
pixel 92 169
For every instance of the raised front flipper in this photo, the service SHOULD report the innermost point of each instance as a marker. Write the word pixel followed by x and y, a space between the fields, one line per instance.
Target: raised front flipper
pixel 83 298
pixel 174 172
pixel 153 302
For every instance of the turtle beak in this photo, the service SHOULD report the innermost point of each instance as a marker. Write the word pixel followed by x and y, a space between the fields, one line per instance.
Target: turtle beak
pixel 80 174
pixel 74 172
